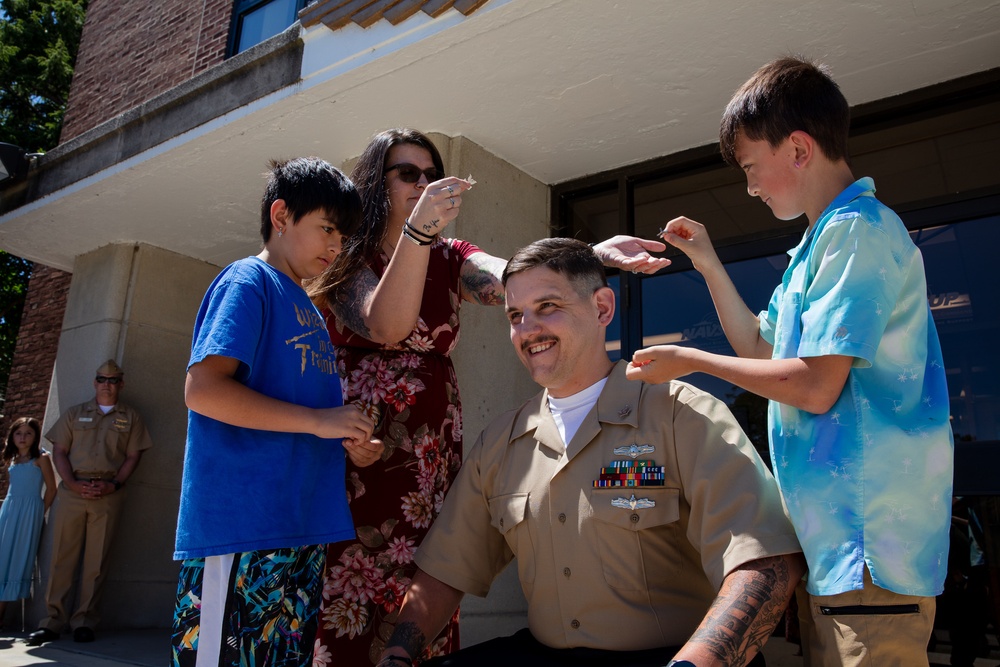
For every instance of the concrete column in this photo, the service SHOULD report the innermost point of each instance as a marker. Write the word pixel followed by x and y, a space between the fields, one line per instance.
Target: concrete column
pixel 504 211
pixel 137 304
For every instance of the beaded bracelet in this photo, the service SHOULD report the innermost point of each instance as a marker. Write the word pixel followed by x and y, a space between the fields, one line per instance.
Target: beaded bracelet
pixel 417 232
pixel 410 236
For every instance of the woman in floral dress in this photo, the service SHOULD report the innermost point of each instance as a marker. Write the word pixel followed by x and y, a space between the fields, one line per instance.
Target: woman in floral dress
pixel 395 323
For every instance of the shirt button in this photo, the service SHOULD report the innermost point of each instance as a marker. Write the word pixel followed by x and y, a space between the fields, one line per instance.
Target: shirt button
pixel 562 518
pixel 566 571
pixel 635 518
pixel 501 523
pixel 575 624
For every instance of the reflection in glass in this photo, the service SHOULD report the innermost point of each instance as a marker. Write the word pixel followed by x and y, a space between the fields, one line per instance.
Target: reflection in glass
pixel 964 295
pixel 962 291
pixel 265 22
pixel 677 308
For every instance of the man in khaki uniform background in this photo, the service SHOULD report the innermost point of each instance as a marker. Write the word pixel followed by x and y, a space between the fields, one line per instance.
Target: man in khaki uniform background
pixel 96 447
pixel 613 575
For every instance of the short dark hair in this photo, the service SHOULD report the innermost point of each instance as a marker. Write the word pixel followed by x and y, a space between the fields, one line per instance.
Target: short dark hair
pixel 572 258
pixel 10 449
pixel 361 249
pixel 781 97
pixel 308 184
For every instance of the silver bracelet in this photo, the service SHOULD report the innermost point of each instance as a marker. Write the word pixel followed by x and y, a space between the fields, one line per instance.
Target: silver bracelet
pixel 410 236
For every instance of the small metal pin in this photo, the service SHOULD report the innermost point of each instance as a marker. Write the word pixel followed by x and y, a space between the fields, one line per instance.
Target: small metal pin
pixel 633 503
pixel 634 450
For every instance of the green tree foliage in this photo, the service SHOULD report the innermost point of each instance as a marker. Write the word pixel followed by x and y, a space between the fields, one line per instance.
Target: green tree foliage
pixel 38 44
pixel 14 274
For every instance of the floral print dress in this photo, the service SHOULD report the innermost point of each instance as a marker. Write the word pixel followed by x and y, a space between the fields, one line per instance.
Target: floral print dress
pixel 412 387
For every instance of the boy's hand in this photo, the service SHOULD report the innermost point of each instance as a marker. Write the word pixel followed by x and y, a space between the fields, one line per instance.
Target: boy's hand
pixel 363 453
pixel 630 253
pixel 660 363
pixel 691 238
pixel 347 422
pixel 438 205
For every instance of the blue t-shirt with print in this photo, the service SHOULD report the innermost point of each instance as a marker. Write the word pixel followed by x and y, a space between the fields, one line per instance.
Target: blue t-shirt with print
pixel 245 489
pixel 870 480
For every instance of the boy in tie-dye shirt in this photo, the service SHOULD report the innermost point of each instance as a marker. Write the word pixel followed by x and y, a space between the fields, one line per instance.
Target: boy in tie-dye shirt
pixel 848 354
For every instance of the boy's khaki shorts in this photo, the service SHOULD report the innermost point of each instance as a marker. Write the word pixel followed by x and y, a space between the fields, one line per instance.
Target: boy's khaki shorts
pixel 870 627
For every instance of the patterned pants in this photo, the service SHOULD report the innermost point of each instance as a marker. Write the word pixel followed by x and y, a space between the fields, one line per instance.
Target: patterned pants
pixel 269 614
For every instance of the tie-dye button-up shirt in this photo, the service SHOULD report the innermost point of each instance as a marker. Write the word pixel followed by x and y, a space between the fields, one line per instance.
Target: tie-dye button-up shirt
pixel 870 480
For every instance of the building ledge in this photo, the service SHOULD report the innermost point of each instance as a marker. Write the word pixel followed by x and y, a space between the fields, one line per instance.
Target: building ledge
pixel 269 66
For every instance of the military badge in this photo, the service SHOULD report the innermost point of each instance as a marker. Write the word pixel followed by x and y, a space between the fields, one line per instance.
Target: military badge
pixel 633 503
pixel 634 450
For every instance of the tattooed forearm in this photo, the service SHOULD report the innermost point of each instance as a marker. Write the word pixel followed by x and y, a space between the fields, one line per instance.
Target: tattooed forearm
pixel 480 279
pixel 482 288
pixel 749 606
pixel 408 637
pixel 350 303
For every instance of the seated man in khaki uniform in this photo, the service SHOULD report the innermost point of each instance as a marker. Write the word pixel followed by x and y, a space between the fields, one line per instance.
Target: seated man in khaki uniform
pixel 96 447
pixel 646 528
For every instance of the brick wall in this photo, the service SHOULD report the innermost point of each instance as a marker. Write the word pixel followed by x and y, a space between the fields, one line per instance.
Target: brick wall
pixel 37 342
pixel 129 53
pixel 132 51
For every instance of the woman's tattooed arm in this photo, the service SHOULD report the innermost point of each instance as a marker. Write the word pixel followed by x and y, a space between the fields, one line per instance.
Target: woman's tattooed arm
pixel 480 279
pixel 350 304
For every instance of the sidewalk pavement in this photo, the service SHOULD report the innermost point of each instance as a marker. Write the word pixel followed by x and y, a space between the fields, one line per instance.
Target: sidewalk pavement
pixel 114 648
pixel 151 648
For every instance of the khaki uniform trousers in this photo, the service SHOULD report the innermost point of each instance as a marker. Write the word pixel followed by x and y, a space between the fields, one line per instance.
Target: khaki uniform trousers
pixel 87 526
pixel 871 627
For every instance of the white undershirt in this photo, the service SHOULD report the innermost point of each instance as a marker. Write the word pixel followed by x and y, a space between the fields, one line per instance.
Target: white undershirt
pixel 569 412
pixel 106 408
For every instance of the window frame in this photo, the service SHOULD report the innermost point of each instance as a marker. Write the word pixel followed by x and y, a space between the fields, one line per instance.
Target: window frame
pixel 240 9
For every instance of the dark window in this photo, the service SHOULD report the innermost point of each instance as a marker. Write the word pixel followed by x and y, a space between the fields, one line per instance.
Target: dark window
pixel 257 20
pixel 964 294
pixel 962 290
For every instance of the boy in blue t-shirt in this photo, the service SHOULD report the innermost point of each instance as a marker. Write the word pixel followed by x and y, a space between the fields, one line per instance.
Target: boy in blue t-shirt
pixel 848 354
pixel 267 431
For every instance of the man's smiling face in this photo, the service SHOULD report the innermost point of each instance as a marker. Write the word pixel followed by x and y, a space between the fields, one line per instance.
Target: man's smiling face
pixel 558 333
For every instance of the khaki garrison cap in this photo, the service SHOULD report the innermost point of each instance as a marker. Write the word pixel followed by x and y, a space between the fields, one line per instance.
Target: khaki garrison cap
pixel 110 367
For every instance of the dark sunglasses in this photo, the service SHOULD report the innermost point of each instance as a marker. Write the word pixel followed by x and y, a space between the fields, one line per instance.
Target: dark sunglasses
pixel 410 173
pixel 100 379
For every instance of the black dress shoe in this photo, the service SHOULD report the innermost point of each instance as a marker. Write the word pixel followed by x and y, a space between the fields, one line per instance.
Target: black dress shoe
pixel 83 635
pixel 40 636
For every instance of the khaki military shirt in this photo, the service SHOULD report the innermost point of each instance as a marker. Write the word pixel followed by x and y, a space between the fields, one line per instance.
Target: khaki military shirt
pixel 98 443
pixel 610 568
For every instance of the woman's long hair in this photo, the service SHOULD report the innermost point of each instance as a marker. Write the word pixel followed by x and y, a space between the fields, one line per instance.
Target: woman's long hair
pixel 10 449
pixel 369 178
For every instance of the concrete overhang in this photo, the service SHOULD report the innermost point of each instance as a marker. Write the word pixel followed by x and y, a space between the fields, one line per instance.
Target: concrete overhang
pixel 558 88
